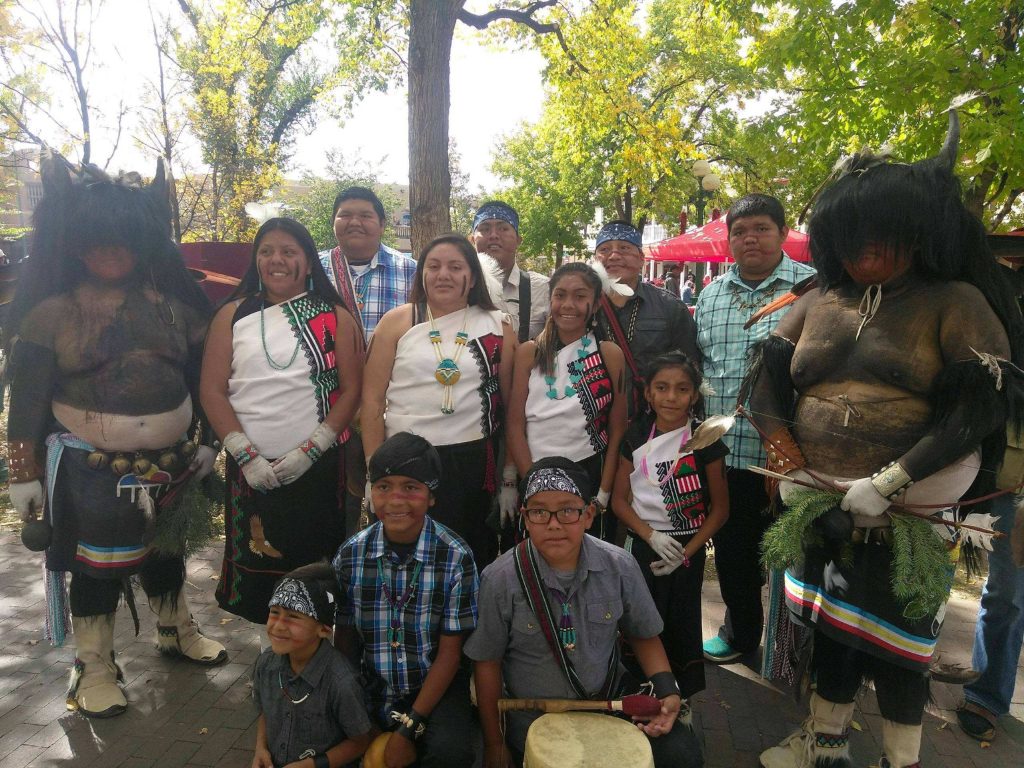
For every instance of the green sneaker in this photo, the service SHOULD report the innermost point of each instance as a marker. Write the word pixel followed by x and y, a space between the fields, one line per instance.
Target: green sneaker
pixel 717 651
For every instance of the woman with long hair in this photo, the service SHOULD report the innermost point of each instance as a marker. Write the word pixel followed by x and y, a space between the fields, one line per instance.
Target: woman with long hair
pixel 281 379
pixel 441 367
pixel 567 397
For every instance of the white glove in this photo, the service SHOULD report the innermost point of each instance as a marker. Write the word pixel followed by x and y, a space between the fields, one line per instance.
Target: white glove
pixel 202 462
pixel 862 498
pixel 291 466
pixel 27 498
pixel 667 548
pixel 508 504
pixel 508 496
pixel 324 436
pixel 368 495
pixel 257 471
pixel 664 567
pixel 602 498
pixel 260 475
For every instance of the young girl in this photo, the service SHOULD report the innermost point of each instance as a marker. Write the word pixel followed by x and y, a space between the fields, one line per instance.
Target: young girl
pixel 673 500
pixel 567 391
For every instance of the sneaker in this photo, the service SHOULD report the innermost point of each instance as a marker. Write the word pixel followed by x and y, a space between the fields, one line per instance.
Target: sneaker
pixel 717 651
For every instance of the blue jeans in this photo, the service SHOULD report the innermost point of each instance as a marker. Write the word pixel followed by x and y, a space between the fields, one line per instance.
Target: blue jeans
pixel 1000 627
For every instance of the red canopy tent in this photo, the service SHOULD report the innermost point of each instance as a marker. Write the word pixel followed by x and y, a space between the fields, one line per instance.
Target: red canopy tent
pixel 710 243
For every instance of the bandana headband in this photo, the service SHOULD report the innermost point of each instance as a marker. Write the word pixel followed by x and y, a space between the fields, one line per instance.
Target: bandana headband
pixel 550 479
pixel 624 232
pixel 294 595
pixel 499 212
pixel 408 455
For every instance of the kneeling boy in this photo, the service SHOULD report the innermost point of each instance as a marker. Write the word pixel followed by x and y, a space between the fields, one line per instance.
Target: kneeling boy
pixel 409 594
pixel 597 590
pixel 311 706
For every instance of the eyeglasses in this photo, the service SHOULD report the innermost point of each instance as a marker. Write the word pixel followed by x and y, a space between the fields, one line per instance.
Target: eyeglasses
pixel 543 516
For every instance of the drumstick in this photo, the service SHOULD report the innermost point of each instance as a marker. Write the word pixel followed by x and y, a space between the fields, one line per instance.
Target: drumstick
pixel 635 705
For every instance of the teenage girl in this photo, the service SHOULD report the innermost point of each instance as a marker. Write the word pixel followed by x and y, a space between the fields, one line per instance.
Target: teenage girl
pixel 568 395
pixel 673 500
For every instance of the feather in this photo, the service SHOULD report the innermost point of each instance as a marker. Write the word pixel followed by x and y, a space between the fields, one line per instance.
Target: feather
pixel 709 431
pixel 494 276
pixel 977 538
pixel 263 212
pixel 609 285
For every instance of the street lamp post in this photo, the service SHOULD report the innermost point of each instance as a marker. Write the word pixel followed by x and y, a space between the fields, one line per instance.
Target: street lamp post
pixel 707 184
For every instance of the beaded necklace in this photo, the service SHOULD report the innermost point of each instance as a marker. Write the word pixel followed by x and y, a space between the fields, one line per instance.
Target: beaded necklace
pixel 574 377
pixel 669 476
pixel 566 629
pixel 396 633
pixel 263 337
pixel 447 372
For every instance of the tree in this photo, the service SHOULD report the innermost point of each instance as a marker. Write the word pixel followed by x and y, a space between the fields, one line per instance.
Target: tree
pixel 414 38
pixel 254 81
pixel 622 123
pixel 851 75
pixel 59 43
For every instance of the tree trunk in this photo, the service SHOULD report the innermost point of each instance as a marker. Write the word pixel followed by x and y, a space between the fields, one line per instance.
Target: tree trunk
pixel 431 27
pixel 559 254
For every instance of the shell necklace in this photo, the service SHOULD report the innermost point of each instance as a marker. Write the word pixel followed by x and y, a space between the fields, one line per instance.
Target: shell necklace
pixel 447 372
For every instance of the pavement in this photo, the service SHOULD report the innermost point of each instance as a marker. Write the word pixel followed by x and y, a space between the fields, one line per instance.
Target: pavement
pixel 184 715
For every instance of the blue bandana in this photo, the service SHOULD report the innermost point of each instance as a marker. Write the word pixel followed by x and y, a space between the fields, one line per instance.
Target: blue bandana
pixel 498 211
pixel 625 232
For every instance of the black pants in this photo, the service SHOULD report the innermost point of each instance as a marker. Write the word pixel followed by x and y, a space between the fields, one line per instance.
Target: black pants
pixel 90 596
pixel 738 560
pixel 839 671
pixel 677 597
pixel 453 733
pixel 462 502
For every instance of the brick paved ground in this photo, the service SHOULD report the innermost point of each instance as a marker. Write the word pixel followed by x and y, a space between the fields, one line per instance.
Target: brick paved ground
pixel 182 715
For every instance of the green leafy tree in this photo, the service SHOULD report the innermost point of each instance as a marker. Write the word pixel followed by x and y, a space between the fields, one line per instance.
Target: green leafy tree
pixel 625 117
pixel 254 80
pixel 412 40
pixel 849 75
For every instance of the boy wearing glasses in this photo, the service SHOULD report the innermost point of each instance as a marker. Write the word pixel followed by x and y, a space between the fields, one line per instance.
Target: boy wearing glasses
pixel 551 611
pixel 409 597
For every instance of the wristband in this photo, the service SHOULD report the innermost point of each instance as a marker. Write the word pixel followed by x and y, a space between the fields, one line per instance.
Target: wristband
pixel 686 560
pixel 310 449
pixel 320 760
pixel 664 684
pixel 508 476
pixel 411 725
pixel 245 455
pixel 784 454
pixel 21 462
pixel 891 480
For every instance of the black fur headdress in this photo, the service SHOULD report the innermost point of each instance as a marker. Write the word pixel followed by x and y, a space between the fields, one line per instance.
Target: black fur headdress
pixel 82 208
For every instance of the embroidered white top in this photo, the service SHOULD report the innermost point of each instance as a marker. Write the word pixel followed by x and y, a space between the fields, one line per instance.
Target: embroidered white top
pixel 414 396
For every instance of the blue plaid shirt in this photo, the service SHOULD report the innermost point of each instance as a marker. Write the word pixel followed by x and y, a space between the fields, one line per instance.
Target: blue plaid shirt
pixel 443 602
pixel 722 309
pixel 382 287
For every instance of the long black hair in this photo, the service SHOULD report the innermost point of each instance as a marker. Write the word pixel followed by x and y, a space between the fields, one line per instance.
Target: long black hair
pixel 918 210
pixel 322 285
pixel 478 294
pixel 547 339
pixel 90 210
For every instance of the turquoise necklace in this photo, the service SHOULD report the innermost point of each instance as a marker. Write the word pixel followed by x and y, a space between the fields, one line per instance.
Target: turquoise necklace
pixel 266 353
pixel 574 375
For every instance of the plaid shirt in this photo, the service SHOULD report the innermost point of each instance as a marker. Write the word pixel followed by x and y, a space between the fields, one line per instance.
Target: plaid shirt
pixel 382 287
pixel 722 308
pixel 443 602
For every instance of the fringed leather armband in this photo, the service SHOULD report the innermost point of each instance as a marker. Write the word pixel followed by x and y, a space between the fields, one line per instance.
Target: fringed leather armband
pixel 784 455
pixel 22 460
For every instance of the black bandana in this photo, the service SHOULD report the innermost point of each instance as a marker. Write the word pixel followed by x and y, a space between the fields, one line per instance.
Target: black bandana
pixel 408 455
pixel 308 590
pixel 556 474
